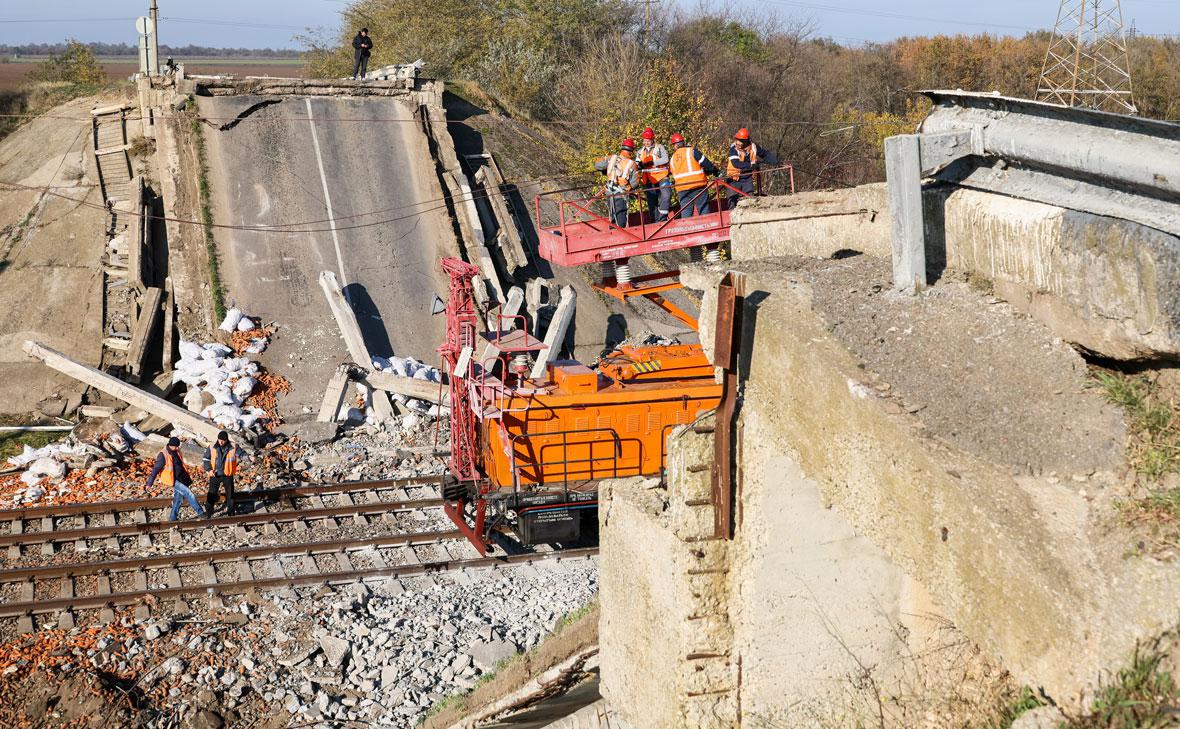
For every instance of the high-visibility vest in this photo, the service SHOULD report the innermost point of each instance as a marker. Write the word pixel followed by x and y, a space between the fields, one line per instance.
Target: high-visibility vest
pixel 654 174
pixel 231 461
pixel 686 171
pixel 618 173
pixel 750 154
pixel 168 475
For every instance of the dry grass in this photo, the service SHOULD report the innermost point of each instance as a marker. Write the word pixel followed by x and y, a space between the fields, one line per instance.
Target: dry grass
pixel 1154 452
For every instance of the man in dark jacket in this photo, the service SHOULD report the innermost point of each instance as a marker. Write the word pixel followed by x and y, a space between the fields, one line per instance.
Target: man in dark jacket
pixel 362 46
pixel 171 471
pixel 221 462
pixel 745 160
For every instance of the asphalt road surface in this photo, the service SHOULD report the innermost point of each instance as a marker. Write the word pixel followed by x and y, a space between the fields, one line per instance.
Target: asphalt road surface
pixel 369 195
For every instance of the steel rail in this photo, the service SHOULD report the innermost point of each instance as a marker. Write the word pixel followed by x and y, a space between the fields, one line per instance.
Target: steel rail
pixel 41 607
pixel 83 569
pixel 117 530
pixel 102 507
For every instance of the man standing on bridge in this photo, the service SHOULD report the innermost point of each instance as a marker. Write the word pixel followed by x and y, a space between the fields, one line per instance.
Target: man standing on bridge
pixel 170 468
pixel 362 46
pixel 221 461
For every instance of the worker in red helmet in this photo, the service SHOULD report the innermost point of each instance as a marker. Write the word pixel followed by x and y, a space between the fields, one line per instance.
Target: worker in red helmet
pixel 690 176
pixel 653 173
pixel 745 161
pixel 622 177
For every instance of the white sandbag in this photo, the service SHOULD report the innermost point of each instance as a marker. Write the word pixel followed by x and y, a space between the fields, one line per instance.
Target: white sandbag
pixel 230 322
pixel 246 324
pixel 381 364
pixel 216 350
pixel 197 366
pixel 223 395
pixel 410 421
pixel 258 346
pixel 131 433
pixel 250 369
pixel 438 410
pixel 27 456
pixel 235 364
pixel 213 378
pixel 188 378
pixel 30 479
pixel 193 400
pixel 190 350
pixel 244 387
pixel 47 467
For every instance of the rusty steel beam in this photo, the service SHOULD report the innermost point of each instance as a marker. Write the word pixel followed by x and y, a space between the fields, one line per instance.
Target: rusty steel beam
pixel 731 295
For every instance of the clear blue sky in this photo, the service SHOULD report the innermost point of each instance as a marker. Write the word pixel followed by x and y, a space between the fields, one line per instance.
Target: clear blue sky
pixel 274 23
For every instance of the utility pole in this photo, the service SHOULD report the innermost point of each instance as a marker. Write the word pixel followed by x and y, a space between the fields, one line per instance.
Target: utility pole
pixel 155 47
pixel 1087 63
pixel 648 17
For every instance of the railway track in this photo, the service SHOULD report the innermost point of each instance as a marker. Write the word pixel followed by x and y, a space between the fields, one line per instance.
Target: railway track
pixel 106 522
pixel 29 593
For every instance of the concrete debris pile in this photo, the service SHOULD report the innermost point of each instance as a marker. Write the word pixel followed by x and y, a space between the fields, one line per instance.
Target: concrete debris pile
pixel 368 453
pixel 386 656
pixel 218 385
pixel 412 368
pixel 45 468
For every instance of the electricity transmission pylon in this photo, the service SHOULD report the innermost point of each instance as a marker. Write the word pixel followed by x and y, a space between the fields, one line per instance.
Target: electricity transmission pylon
pixel 1087 63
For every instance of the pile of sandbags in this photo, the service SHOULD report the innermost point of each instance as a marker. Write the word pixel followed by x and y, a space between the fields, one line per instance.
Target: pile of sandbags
pixel 236 321
pixel 53 462
pixel 218 384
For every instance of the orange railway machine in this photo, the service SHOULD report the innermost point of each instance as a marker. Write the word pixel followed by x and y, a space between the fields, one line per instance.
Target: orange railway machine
pixel 526 454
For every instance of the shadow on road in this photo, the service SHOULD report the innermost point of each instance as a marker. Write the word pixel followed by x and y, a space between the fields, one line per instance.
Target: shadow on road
pixel 368 316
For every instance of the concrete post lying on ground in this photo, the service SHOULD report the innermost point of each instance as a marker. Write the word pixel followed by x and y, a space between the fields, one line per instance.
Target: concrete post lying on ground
pixel 145 325
pixel 903 167
pixel 555 335
pixel 114 387
pixel 408 386
pixel 353 339
pixel 334 396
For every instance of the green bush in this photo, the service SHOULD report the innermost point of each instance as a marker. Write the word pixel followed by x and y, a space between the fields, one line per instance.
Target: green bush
pixel 76 65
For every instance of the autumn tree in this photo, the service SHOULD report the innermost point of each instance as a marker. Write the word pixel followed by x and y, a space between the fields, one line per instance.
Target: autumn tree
pixel 77 64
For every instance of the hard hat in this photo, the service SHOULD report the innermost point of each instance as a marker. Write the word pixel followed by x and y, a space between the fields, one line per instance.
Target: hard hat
pixel 628 143
pixel 676 139
pixel 649 134
pixel 743 135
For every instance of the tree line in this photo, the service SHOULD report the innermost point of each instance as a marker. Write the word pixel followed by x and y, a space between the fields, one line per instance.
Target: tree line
pixel 600 70
pixel 107 50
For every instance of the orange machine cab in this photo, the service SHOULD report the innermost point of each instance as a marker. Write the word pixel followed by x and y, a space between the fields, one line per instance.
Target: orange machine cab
pixel 584 425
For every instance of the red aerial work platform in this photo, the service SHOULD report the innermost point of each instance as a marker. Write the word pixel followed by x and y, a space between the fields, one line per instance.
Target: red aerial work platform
pixel 582 236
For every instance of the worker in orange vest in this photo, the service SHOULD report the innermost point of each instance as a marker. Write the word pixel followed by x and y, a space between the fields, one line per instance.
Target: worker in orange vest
pixel 653 173
pixel 690 175
pixel 622 177
pixel 221 462
pixel 171 471
pixel 745 159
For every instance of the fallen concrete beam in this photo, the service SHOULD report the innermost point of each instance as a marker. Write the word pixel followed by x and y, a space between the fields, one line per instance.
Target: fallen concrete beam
pixel 114 387
pixel 334 396
pixel 353 339
pixel 555 334
pixel 408 386
pixel 149 315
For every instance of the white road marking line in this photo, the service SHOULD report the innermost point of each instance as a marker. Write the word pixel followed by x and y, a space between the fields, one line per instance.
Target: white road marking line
pixel 315 140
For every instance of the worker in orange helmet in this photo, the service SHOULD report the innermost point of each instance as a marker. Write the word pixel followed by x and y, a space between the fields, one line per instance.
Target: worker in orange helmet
pixel 690 176
pixel 653 173
pixel 745 160
pixel 622 177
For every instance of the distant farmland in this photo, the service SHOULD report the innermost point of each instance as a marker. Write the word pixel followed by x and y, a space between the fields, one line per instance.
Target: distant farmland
pixel 12 74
